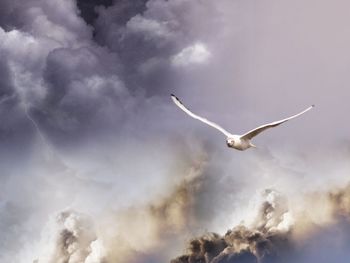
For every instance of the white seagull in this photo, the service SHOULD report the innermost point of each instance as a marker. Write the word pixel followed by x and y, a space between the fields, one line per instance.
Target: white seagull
pixel 238 142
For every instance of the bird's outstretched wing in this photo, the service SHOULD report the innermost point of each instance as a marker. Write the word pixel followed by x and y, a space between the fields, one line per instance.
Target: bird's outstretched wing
pixel 249 135
pixel 212 124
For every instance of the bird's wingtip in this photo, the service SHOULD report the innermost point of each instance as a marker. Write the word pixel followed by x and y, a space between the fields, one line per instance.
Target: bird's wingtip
pixel 174 97
pixel 313 105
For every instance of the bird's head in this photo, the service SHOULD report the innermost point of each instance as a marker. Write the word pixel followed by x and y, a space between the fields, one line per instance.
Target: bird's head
pixel 230 142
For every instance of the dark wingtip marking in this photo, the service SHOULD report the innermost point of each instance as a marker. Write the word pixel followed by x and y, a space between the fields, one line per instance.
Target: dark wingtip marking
pixel 313 105
pixel 172 95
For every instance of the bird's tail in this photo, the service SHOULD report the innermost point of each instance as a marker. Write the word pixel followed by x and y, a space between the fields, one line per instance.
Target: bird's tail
pixel 252 145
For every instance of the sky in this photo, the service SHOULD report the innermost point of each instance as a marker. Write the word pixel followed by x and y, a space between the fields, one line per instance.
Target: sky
pixel 98 165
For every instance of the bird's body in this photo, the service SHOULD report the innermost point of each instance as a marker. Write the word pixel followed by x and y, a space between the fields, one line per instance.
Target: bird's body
pixel 238 142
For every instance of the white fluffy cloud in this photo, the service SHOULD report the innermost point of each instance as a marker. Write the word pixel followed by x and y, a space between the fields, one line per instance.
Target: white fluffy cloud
pixel 195 54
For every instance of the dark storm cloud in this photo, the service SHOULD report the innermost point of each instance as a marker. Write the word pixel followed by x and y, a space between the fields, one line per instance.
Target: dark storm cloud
pixel 8 98
pixel 71 82
pixel 5 82
pixel 140 43
pixel 261 243
pixel 146 35
pixel 83 88
pixel 14 127
pixel 265 242
pixel 122 9
pixel 88 8
pixel 38 28
pixel 8 14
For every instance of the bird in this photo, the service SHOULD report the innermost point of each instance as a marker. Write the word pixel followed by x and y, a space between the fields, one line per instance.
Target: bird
pixel 238 142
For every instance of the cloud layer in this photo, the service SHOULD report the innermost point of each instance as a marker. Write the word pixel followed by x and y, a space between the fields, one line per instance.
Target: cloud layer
pixel 98 165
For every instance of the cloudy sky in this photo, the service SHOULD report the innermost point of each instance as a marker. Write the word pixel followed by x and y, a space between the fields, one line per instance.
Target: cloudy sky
pixel 99 166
